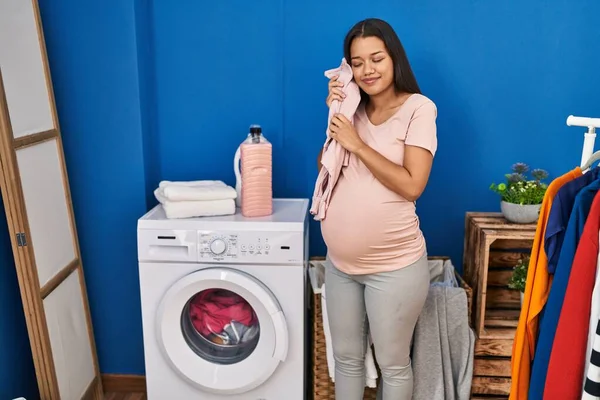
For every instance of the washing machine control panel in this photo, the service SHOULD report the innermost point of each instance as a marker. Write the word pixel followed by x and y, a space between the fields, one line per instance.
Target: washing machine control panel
pixel 250 246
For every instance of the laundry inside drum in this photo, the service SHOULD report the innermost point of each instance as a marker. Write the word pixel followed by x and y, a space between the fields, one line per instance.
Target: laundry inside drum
pixel 220 326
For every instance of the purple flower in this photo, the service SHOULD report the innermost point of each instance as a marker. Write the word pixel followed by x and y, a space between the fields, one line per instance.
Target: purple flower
pixel 520 168
pixel 539 174
pixel 515 177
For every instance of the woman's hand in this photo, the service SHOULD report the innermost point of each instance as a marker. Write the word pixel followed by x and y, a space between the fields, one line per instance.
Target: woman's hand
pixel 335 91
pixel 344 133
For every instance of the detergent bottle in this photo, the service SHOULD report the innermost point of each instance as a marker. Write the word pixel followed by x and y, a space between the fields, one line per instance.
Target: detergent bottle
pixel 253 167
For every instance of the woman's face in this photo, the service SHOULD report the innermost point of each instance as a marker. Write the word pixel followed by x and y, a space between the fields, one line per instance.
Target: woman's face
pixel 372 65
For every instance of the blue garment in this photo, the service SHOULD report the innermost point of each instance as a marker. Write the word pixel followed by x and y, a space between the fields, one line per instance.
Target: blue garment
pixel 582 204
pixel 562 205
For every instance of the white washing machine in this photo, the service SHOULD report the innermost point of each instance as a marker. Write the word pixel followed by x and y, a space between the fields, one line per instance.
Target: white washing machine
pixel 223 304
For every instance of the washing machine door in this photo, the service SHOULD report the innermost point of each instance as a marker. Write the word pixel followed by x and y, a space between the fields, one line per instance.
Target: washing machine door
pixel 222 330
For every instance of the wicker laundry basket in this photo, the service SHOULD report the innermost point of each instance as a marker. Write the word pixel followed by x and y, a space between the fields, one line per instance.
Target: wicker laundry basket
pixel 322 386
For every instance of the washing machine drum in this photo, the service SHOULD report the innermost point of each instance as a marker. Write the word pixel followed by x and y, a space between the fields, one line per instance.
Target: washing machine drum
pixel 222 330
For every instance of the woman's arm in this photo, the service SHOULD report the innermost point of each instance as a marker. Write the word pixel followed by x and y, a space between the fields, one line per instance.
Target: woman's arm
pixel 420 145
pixel 408 181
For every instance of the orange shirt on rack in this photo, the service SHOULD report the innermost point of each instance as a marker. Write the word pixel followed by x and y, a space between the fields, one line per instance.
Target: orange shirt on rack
pixel 535 296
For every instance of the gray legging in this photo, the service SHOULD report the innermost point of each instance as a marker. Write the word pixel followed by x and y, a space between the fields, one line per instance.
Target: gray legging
pixel 387 303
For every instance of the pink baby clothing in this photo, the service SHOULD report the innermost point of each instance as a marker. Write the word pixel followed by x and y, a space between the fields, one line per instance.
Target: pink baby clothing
pixel 334 156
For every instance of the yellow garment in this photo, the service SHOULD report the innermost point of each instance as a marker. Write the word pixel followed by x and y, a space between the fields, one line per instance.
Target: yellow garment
pixel 536 293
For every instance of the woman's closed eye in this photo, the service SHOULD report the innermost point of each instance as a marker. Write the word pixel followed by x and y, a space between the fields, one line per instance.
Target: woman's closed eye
pixel 377 60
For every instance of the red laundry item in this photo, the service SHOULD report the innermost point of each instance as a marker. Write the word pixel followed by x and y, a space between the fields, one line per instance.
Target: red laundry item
pixel 211 310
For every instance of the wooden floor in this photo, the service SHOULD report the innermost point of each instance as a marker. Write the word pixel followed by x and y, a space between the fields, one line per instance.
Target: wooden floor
pixel 125 396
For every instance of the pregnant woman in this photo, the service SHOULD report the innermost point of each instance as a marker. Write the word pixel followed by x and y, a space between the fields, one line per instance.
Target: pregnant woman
pixel 377 275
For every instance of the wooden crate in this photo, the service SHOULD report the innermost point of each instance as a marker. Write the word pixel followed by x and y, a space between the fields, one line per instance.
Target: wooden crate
pixel 492 248
pixel 491 368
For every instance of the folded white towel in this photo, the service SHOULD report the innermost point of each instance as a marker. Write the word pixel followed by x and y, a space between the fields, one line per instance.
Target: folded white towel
pixel 370 369
pixel 204 208
pixel 203 182
pixel 194 208
pixel 195 190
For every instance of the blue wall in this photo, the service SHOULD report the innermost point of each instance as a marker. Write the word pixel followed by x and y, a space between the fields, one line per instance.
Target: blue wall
pixel 149 90
pixel 93 54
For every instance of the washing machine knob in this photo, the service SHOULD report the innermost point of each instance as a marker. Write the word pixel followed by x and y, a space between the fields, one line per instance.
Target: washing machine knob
pixel 218 246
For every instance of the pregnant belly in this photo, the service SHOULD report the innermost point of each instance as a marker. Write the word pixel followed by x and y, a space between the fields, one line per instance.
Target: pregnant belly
pixel 368 231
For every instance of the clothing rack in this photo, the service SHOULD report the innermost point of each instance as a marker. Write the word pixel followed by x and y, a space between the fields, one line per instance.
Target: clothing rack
pixel 589 137
pixel 567 334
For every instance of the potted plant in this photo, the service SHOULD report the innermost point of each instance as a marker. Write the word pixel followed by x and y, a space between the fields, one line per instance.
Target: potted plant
pixel 519 276
pixel 521 197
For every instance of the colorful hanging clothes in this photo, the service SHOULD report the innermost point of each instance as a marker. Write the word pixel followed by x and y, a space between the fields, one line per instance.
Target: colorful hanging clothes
pixel 568 358
pixel 535 296
pixel 548 325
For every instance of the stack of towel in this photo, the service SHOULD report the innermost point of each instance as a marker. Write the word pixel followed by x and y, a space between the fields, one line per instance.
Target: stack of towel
pixel 196 198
